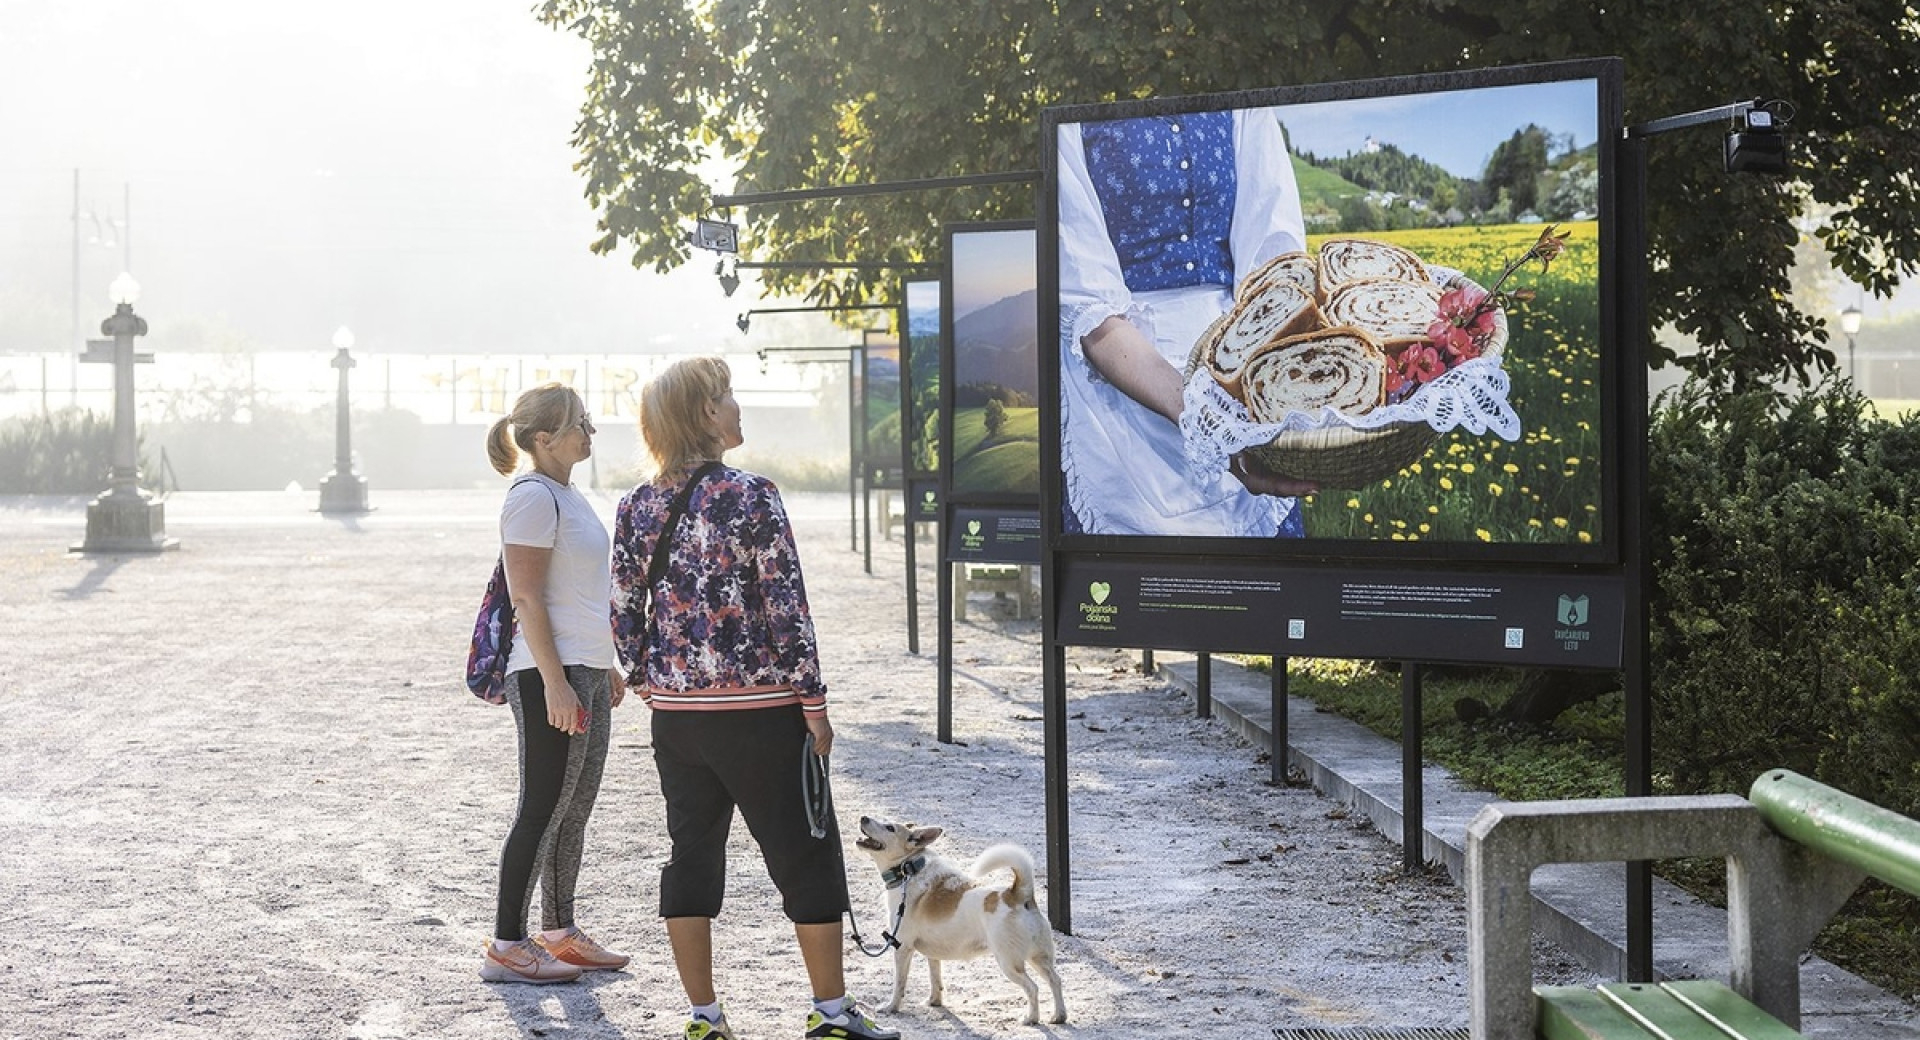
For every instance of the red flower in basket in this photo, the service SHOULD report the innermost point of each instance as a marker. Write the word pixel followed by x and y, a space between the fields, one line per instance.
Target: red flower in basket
pixel 1466 323
pixel 1463 324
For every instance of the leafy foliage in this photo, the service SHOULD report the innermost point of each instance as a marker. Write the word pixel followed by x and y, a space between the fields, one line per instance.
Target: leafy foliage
pixel 1786 607
pixel 68 452
pixel 802 94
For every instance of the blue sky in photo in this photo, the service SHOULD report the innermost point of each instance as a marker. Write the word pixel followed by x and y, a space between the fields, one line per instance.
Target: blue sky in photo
pixel 989 266
pixel 1456 130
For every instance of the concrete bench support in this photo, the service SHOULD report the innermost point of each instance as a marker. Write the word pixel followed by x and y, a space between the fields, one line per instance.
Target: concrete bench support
pixel 1779 894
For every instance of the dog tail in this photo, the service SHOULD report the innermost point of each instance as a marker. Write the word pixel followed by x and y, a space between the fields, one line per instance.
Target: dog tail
pixel 1015 859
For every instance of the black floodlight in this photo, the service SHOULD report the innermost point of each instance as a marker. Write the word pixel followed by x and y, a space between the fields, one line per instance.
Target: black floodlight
pixel 743 321
pixel 717 235
pixel 1756 143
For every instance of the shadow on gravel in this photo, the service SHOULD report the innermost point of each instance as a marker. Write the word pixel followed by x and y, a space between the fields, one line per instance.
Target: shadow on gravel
pixel 95 579
pixel 579 1005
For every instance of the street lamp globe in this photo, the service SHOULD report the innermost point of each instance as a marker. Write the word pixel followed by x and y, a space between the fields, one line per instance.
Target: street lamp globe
pixel 343 338
pixel 124 291
pixel 1850 320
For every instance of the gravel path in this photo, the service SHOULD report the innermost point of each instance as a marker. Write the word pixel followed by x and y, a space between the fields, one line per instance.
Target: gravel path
pixel 245 794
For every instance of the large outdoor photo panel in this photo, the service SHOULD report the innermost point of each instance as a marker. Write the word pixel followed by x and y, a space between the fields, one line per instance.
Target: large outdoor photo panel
pixel 990 381
pixel 920 377
pixel 1368 319
pixel 882 388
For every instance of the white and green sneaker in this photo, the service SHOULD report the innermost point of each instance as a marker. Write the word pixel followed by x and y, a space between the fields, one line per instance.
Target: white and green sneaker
pixel 852 1023
pixel 700 1029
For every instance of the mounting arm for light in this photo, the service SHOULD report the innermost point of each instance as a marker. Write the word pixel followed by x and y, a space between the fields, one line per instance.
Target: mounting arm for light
pixel 746 317
pixel 1755 143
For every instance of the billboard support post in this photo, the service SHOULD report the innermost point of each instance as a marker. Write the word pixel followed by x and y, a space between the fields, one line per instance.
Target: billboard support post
pixel 1413 794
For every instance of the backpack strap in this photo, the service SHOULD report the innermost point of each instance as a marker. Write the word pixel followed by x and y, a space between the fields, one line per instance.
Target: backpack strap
pixel 658 565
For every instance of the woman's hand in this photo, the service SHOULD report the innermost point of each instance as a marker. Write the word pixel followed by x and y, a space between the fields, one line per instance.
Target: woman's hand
pixel 619 684
pixel 1261 480
pixel 563 708
pixel 822 731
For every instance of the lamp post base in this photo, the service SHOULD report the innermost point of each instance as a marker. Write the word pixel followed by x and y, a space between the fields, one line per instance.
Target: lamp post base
pixel 126 521
pixel 344 493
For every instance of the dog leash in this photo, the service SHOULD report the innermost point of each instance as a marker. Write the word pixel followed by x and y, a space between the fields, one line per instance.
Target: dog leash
pixel 816 796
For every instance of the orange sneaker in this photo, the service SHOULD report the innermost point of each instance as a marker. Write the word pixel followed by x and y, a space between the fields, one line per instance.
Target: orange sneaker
pixel 525 961
pixel 576 949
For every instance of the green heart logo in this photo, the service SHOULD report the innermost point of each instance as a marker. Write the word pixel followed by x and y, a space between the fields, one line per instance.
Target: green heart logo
pixel 929 498
pixel 1099 590
pixel 973 527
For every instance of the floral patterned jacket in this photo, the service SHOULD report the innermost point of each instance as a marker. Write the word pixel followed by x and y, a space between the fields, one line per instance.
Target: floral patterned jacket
pixel 731 629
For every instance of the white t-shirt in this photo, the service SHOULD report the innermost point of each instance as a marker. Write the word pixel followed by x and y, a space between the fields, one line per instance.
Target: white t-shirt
pixel 579 590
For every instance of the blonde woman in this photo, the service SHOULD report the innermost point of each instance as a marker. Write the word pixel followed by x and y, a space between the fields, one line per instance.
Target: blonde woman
pixel 722 649
pixel 561 681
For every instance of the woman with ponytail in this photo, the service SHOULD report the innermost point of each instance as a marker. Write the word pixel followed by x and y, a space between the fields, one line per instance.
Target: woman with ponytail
pixel 562 681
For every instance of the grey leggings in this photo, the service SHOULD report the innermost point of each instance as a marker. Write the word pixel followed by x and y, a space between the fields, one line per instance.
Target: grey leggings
pixel 559 780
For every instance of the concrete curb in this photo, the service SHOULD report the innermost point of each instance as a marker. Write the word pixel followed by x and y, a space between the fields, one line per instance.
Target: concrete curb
pixel 1580 907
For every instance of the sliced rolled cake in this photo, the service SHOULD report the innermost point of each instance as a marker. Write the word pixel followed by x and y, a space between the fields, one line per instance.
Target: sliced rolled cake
pixel 1394 310
pixel 1296 268
pixel 1278 311
pixel 1344 260
pixel 1342 368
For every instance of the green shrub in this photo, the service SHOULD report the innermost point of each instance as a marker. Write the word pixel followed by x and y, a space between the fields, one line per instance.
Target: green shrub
pixel 68 452
pixel 1784 622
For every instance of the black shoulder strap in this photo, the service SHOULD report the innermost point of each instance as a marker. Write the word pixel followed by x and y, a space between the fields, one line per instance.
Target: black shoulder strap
pixel 658 565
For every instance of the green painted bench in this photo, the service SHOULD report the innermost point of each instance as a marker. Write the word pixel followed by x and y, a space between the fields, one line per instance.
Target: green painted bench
pixel 1795 849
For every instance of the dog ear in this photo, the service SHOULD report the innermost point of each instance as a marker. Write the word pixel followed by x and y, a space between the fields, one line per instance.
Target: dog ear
pixel 923 836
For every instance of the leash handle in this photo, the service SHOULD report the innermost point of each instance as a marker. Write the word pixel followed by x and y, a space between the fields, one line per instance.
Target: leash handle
pixel 816 797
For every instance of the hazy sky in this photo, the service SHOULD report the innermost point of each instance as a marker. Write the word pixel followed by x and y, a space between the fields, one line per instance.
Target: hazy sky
pixel 401 167
pixel 990 266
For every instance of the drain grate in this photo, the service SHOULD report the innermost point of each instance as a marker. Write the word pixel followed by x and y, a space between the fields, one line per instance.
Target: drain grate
pixel 1370 1033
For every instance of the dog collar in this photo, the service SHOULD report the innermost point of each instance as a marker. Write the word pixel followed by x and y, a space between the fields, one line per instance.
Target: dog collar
pixel 897 876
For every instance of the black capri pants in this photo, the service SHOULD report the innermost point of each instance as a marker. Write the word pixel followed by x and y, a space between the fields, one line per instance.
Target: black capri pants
pixel 711 762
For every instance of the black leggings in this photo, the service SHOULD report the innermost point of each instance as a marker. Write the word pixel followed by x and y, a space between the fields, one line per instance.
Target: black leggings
pixel 712 761
pixel 559 780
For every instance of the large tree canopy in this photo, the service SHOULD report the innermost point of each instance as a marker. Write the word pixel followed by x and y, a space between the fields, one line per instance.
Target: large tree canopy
pixel 812 93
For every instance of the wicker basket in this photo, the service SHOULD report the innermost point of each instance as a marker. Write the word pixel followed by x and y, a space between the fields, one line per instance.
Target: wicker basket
pixel 1346 457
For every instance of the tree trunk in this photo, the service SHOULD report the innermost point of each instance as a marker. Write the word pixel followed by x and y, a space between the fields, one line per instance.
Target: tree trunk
pixel 1543 694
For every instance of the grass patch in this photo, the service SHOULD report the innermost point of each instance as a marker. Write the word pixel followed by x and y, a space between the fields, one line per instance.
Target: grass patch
pixel 1582 756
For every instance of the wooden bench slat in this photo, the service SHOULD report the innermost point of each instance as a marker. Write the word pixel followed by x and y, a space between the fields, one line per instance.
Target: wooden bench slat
pixel 1736 1015
pixel 1693 1010
pixel 1578 1013
pixel 1668 1015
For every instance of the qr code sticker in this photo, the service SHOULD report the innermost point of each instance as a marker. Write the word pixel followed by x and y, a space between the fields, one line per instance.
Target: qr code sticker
pixel 1296 628
pixel 1516 638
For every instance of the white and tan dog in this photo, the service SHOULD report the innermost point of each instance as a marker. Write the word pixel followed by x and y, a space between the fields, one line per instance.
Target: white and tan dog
pixel 945 914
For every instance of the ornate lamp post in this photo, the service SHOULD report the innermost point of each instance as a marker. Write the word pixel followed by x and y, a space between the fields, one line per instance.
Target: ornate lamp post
pixel 343 490
pixel 124 518
pixel 1850 324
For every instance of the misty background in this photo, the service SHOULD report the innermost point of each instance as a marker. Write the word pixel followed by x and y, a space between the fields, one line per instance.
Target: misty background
pixel 270 173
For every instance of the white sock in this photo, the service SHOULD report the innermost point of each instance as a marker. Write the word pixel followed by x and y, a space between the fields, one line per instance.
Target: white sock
pixel 503 945
pixel 833 1007
pixel 555 934
pixel 708 1012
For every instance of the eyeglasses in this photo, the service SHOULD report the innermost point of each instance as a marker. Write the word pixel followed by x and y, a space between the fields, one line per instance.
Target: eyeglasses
pixel 585 424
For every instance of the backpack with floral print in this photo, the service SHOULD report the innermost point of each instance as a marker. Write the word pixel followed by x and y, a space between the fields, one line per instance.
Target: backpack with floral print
pixel 492 641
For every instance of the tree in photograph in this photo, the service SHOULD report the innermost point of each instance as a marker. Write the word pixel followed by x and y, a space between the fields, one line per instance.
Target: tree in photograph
pixel 803 94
